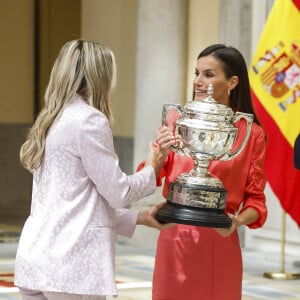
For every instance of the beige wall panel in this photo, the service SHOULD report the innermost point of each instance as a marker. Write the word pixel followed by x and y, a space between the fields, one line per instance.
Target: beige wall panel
pixel 114 24
pixel 17 61
pixel 203 30
pixel 59 22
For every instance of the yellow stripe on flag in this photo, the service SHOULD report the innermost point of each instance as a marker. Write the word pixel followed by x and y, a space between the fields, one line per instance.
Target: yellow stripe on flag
pixel 275 69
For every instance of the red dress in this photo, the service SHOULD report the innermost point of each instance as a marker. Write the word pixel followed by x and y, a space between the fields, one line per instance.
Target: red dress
pixel 195 262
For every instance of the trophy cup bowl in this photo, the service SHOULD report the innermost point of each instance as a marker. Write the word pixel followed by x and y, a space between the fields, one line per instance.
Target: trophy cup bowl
pixel 204 131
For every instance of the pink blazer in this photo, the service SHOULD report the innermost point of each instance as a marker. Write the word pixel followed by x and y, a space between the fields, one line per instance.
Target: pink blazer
pixel 68 241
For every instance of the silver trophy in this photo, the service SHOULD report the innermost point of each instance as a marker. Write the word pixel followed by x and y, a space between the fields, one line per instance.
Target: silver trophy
pixel 204 131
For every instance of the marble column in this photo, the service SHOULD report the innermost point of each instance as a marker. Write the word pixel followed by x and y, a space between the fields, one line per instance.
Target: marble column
pixel 161 66
pixel 160 78
pixel 235 25
pixel 236 31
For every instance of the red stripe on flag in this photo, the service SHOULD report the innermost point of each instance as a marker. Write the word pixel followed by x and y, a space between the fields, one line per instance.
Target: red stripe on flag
pixel 297 3
pixel 282 176
pixel 4 283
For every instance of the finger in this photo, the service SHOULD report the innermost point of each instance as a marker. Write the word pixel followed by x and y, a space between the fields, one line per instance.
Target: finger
pixel 154 210
pixel 231 216
pixel 164 138
pixel 166 142
pixel 161 205
pixel 156 224
pixel 164 129
pixel 167 225
pixel 163 132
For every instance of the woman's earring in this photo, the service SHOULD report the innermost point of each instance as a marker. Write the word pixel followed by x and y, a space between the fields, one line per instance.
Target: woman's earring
pixel 228 91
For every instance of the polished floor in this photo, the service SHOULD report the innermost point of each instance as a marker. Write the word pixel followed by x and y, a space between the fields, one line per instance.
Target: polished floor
pixel 134 266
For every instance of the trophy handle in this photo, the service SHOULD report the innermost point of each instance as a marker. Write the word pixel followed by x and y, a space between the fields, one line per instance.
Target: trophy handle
pixel 249 120
pixel 170 113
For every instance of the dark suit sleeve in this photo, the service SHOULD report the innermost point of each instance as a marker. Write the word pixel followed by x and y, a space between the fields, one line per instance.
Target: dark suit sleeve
pixel 297 152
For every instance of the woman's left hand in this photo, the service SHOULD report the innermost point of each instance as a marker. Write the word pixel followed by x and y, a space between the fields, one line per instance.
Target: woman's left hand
pixel 247 216
pixel 228 231
pixel 147 217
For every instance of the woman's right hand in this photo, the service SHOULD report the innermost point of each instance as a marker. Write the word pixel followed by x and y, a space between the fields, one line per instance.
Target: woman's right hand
pixel 148 217
pixel 160 149
pixel 164 139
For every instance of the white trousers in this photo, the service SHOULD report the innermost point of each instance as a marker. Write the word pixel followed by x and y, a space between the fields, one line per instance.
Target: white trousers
pixel 42 295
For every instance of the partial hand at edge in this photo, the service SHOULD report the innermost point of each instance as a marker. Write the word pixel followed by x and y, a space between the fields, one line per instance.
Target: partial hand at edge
pixel 147 217
pixel 228 231
pixel 248 216
pixel 159 150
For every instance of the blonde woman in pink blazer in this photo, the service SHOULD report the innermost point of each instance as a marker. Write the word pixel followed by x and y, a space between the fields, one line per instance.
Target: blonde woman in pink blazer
pixel 67 246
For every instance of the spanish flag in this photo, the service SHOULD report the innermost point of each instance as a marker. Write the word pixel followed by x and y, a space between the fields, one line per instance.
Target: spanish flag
pixel 275 83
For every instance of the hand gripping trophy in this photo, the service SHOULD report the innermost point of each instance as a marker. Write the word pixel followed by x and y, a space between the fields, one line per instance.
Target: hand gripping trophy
pixel 205 132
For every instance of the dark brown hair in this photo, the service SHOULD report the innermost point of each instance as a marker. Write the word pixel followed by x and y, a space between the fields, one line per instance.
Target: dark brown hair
pixel 234 64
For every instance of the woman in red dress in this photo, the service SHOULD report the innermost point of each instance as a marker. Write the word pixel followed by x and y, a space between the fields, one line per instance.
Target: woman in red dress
pixel 202 263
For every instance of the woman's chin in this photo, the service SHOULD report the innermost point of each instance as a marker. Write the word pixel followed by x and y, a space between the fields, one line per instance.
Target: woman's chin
pixel 200 97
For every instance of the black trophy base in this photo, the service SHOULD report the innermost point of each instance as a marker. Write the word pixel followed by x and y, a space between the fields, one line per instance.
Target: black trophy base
pixel 181 214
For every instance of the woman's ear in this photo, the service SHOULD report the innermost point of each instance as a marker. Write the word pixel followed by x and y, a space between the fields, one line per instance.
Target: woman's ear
pixel 233 82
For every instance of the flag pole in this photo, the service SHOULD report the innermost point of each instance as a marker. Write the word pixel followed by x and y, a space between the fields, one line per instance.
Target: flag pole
pixel 282 275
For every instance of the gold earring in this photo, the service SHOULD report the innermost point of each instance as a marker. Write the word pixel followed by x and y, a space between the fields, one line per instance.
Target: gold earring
pixel 228 91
